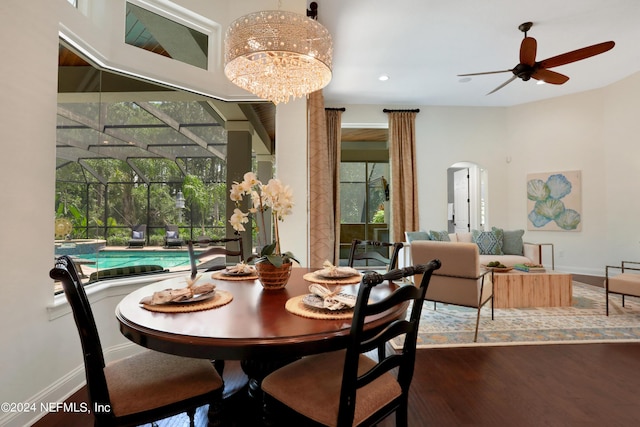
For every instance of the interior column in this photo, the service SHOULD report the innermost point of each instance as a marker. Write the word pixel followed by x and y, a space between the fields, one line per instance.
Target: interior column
pixel 238 163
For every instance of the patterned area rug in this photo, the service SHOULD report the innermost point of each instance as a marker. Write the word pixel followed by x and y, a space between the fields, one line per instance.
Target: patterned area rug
pixel 585 321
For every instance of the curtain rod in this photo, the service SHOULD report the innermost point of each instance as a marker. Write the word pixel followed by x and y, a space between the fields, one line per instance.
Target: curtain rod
pixel 335 109
pixel 417 110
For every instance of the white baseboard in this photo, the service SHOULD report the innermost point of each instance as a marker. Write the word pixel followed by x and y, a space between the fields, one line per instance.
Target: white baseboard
pixel 598 272
pixel 62 389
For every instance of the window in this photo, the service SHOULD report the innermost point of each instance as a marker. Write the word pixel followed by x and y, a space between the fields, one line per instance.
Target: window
pixel 157 34
pixel 363 191
pixel 364 186
pixel 123 149
pixel 364 196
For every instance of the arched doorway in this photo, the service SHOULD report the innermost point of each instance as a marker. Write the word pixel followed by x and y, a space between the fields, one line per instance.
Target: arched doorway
pixel 467 189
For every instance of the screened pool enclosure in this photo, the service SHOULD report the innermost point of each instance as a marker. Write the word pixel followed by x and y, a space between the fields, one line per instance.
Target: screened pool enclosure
pixel 130 152
pixel 124 163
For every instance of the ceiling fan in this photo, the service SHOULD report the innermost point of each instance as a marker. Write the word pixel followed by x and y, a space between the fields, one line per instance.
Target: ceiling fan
pixel 539 70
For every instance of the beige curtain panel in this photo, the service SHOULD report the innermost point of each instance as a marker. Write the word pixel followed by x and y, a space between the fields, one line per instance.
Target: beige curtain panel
pixel 334 145
pixel 404 188
pixel 323 209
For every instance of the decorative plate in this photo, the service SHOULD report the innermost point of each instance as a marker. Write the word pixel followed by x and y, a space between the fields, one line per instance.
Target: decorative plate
pixel 499 269
pixel 314 278
pixel 317 302
pixel 226 272
pixel 62 227
pixel 337 273
pixel 196 298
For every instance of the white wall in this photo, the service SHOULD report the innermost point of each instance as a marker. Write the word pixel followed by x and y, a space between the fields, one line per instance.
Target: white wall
pixel 619 194
pixel 99 31
pixel 444 136
pixel 28 83
pixel 593 132
pixel 562 134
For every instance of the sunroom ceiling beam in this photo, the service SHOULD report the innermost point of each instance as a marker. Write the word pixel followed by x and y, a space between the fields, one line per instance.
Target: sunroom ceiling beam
pixel 138 172
pixel 170 121
pixel 92 124
pixel 93 172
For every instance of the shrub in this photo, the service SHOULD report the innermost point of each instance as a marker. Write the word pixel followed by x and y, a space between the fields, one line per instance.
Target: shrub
pixel 117 241
pixel 156 240
pixel 378 217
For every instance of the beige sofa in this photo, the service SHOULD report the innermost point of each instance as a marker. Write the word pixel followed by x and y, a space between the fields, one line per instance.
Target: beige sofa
pixel 531 252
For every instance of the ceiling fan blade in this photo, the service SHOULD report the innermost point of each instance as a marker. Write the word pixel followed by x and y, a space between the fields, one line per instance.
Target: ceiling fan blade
pixel 549 76
pixel 486 72
pixel 503 85
pixel 577 55
pixel 528 49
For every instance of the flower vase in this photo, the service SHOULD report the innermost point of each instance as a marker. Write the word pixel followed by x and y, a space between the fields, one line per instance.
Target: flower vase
pixel 272 277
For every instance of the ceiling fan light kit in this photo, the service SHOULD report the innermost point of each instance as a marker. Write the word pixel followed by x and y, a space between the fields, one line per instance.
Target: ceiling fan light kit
pixel 528 68
pixel 278 55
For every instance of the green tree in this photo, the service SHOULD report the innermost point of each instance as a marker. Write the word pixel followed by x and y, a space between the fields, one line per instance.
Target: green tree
pixel 195 194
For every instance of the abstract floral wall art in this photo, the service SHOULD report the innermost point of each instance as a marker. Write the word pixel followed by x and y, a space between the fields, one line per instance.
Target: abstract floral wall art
pixel 554 201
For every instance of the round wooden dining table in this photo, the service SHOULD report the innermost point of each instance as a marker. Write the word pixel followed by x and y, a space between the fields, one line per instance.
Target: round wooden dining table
pixel 254 325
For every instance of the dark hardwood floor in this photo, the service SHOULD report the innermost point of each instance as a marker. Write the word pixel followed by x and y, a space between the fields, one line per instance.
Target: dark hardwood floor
pixel 545 385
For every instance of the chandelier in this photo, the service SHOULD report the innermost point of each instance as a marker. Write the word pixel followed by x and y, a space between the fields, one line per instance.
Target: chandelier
pixel 276 55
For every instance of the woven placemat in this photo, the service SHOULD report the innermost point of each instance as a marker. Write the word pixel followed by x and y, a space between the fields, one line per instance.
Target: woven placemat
pixel 219 299
pixel 296 306
pixel 314 278
pixel 221 276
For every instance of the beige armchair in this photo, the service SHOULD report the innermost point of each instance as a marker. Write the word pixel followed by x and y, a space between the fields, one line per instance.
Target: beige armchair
pixel 460 280
pixel 625 283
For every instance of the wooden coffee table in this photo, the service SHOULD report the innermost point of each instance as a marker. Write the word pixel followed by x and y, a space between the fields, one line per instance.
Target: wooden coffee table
pixel 515 289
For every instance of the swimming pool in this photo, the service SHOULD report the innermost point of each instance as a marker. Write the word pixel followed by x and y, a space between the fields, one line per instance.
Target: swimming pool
pixel 115 259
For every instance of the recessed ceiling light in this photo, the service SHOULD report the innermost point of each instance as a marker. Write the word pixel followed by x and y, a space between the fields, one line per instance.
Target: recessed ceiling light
pixel 383 78
pixel 540 82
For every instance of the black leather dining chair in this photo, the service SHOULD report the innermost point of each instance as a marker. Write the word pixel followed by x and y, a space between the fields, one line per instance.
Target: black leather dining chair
pixel 221 248
pixel 347 388
pixel 374 254
pixel 141 388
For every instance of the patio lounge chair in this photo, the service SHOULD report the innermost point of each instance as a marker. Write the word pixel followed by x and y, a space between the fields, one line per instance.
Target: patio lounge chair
pixel 138 236
pixel 172 236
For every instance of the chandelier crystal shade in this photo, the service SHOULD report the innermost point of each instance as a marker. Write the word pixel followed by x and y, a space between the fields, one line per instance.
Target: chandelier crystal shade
pixel 278 55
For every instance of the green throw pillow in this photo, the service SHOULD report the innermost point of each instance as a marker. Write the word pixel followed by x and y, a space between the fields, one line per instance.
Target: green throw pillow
pixel 441 236
pixel 489 242
pixel 417 235
pixel 512 243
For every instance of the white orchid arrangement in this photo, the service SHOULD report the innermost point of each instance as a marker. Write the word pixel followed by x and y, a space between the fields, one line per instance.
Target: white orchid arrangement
pixel 273 196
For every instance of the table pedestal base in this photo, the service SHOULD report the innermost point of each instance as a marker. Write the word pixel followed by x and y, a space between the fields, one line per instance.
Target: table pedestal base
pixel 256 370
